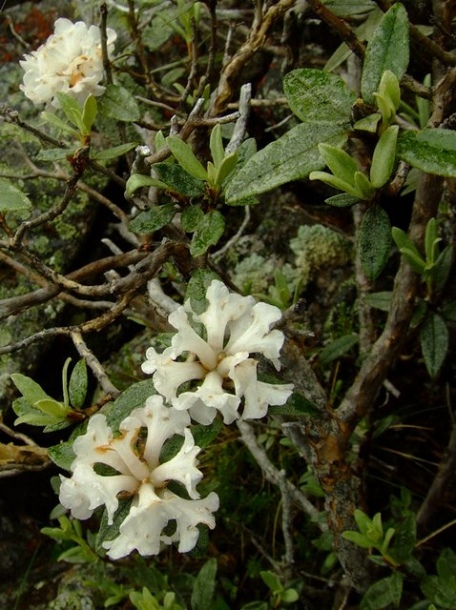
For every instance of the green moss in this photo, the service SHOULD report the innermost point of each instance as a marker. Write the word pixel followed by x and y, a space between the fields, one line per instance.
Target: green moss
pixel 317 248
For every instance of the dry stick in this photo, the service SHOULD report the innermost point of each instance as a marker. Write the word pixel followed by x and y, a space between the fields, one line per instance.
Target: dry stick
pixel 339 26
pixel 104 42
pixel 288 558
pixel 272 474
pixel 15 305
pixel 55 211
pixel 137 281
pixel 361 396
pixel 367 330
pixel 94 364
pixel 212 49
pixel 255 41
pixel 437 489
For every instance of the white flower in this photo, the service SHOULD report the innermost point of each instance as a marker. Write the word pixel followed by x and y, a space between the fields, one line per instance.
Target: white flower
pixel 70 61
pixel 235 327
pixel 138 473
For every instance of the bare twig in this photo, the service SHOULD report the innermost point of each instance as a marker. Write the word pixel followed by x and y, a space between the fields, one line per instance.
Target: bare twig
pixel 94 364
pixel 271 473
pixel 258 35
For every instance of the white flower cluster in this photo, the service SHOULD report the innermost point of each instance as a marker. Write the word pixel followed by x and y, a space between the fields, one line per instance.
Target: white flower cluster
pixel 70 61
pixel 139 474
pixel 234 327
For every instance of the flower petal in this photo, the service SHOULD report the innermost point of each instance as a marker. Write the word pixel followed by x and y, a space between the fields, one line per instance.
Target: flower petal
pixel 252 332
pixel 162 423
pixel 87 490
pixel 187 340
pixel 182 467
pixel 223 308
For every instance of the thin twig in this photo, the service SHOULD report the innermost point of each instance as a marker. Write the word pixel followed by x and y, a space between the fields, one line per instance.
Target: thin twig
pixel 272 474
pixel 94 364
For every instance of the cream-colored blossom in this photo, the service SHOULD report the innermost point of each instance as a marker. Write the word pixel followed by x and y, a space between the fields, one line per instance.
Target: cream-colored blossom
pixel 139 474
pixel 235 327
pixel 70 61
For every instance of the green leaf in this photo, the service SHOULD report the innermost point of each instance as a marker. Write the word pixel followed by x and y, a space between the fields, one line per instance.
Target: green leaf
pixel 390 89
pixel 363 186
pixel 89 113
pixel 153 219
pixel 449 311
pixel 204 586
pixel 62 455
pixel 137 181
pixel 110 531
pixel 431 241
pixel 296 405
pixel 446 564
pixel 71 109
pixel 337 348
pixel 132 398
pixel 388 49
pixel 386 107
pixel 384 593
pixel 208 232
pixel 289 596
pixel 28 414
pixel 432 151
pixel 205 434
pixel 405 538
pixel 358 539
pixel 30 390
pixel 442 267
pixel 179 180
pixel 186 158
pixel 226 167
pixel 368 123
pixel 113 152
pixel 384 157
pixel 78 385
pixel 52 407
pixel 55 154
pixel 319 97
pixel 336 183
pixel 291 157
pixel 191 217
pixel 408 250
pixel 53 119
pixel 272 581
pixel 119 104
pixel 197 288
pixel 216 146
pixel 434 339
pixel 342 200
pixel 12 199
pixel 374 241
pixel 379 300
pixel 341 164
pixel 349 8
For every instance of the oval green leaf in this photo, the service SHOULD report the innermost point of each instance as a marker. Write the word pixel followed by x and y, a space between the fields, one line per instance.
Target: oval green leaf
pixel 291 157
pixel 388 49
pixel 432 151
pixel 317 96
pixel 374 241
pixel 118 103
pixel 153 219
pixel 208 232
pixel 12 199
pixel 434 339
